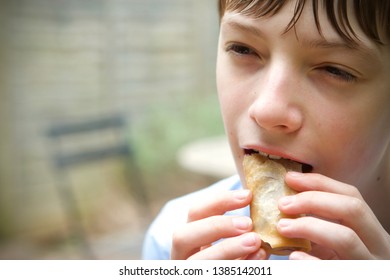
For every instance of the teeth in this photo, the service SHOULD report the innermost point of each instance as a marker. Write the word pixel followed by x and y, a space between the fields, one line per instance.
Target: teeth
pixel 269 156
pixel 274 157
pixel 306 168
pixel 263 154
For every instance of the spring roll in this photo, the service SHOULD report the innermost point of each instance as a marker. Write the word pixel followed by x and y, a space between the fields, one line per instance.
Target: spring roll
pixel 266 179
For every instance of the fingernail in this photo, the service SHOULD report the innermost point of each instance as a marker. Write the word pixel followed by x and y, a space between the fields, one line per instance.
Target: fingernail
pixel 249 239
pixel 284 223
pixel 286 200
pixel 295 174
pixel 262 254
pixel 297 256
pixel 241 194
pixel 242 223
pixel 259 255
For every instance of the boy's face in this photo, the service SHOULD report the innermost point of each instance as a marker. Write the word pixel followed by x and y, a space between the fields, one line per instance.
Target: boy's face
pixel 302 96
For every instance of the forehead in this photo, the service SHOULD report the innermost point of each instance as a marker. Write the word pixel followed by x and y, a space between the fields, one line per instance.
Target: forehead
pixel 306 24
pixel 344 16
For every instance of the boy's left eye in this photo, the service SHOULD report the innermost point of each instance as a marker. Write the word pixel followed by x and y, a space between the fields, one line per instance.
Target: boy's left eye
pixel 340 74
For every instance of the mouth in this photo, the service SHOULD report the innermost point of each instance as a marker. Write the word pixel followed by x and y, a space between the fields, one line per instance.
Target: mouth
pixel 306 168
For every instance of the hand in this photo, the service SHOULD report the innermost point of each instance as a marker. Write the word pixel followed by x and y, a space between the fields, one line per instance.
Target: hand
pixel 339 222
pixel 206 225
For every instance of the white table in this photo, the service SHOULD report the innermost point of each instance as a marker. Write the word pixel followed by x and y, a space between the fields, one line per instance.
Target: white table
pixel 208 156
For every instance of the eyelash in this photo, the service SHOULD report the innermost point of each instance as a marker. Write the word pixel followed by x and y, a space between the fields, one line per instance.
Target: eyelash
pixel 240 50
pixel 340 74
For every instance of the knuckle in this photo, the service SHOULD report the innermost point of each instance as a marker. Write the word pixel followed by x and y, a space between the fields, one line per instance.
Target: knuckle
pixel 178 239
pixel 192 214
pixel 310 197
pixel 195 213
pixel 317 179
pixel 354 192
pixel 306 202
pixel 356 208
pixel 218 223
pixel 224 250
pixel 347 239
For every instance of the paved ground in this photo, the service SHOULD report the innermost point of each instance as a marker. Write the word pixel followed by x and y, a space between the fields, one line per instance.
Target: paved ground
pixel 125 244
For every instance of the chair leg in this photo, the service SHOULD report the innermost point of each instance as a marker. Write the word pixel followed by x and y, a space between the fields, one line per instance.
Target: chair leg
pixel 138 188
pixel 74 217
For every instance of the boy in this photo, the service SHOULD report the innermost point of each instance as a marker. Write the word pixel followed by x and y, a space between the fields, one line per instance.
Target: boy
pixel 307 81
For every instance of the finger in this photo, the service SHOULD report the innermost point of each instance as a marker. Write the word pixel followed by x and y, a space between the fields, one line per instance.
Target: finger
pixel 316 182
pixel 258 255
pixel 346 210
pixel 323 253
pixel 341 239
pixel 349 211
pixel 192 236
pixel 219 204
pixel 231 248
pixel 297 255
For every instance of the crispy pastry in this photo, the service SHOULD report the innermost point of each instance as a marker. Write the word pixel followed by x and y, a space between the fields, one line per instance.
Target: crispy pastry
pixel 265 178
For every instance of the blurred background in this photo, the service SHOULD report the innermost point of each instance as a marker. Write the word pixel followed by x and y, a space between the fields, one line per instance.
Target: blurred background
pixel 97 100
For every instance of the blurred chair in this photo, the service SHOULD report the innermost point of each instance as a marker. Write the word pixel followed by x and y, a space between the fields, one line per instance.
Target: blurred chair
pixel 64 158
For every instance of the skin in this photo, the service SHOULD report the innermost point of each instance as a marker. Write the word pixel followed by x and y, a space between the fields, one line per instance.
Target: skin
pixel 312 99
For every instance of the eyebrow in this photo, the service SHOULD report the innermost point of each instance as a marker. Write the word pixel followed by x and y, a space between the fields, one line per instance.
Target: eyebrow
pixel 312 43
pixel 245 27
pixel 324 44
pixel 360 49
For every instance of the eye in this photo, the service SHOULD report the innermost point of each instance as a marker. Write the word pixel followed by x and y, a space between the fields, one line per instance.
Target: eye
pixel 240 50
pixel 340 74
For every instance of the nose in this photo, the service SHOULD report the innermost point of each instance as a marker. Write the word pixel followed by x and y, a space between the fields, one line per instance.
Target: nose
pixel 277 105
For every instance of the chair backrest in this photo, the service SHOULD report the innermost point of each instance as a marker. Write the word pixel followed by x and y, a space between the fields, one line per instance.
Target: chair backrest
pixel 67 151
pixel 66 158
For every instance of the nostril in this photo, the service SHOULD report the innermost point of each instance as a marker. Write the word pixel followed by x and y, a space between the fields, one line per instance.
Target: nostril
pixel 281 127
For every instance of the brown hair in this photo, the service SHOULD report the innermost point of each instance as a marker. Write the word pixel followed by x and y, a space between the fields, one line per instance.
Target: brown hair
pixel 373 16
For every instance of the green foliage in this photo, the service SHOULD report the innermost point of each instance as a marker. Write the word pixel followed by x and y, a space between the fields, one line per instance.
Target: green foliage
pixel 169 126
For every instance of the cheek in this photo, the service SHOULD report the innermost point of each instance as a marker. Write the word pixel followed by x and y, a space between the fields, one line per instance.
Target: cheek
pixel 356 145
pixel 232 98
